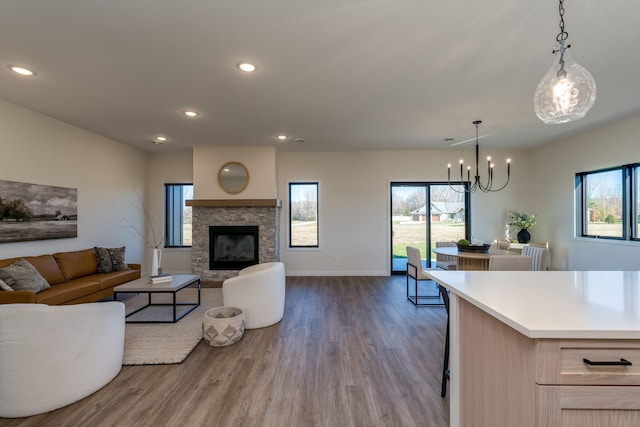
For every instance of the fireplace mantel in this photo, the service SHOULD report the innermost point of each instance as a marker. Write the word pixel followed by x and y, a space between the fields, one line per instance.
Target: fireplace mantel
pixel 234 203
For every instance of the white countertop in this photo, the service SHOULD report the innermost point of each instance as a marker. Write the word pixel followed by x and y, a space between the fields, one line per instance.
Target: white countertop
pixel 554 304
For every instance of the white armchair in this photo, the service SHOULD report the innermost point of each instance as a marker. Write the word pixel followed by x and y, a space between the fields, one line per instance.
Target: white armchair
pixel 259 290
pixel 52 356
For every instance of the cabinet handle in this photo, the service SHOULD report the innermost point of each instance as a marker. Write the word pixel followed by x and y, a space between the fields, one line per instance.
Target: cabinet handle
pixel 622 362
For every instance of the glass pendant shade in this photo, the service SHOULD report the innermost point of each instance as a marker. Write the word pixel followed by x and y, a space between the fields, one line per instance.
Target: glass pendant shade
pixel 566 92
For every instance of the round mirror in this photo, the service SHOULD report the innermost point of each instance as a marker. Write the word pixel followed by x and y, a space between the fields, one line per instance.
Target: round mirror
pixel 233 177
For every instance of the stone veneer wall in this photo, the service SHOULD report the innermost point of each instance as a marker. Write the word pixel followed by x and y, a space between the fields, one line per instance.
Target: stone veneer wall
pixel 266 218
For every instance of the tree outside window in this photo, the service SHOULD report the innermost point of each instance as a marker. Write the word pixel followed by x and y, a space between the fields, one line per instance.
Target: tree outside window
pixel 303 214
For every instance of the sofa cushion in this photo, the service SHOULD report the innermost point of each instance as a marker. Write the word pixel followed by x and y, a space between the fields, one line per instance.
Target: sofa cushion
pixel 65 292
pixel 8 261
pixel 18 297
pixel 117 259
pixel 22 276
pixel 115 278
pixel 110 259
pixel 47 267
pixel 104 260
pixel 5 287
pixel 77 263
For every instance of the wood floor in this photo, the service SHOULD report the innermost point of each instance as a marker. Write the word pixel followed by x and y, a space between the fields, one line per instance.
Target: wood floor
pixel 350 351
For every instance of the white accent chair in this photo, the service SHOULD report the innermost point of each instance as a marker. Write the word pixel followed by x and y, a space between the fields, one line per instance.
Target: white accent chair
pixel 417 273
pixel 259 290
pixel 52 356
pixel 539 257
pixel 509 263
pixel 446 262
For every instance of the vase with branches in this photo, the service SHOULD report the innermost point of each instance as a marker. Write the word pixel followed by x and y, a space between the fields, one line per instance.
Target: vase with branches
pixel 151 234
pixel 521 222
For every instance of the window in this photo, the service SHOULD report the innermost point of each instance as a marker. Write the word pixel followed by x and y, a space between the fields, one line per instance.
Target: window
pixel 177 215
pixel 303 215
pixel 608 203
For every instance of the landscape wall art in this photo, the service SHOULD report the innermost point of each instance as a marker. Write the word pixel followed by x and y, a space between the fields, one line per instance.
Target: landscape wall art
pixel 37 212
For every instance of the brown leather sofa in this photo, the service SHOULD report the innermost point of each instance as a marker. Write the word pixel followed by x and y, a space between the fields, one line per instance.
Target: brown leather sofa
pixel 73 277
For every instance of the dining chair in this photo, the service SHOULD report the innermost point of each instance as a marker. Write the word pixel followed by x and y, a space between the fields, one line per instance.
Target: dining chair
pixel 446 262
pixel 540 245
pixel 539 257
pixel 417 273
pixel 509 263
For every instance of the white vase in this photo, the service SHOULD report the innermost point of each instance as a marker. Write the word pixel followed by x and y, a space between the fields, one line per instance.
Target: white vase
pixel 156 260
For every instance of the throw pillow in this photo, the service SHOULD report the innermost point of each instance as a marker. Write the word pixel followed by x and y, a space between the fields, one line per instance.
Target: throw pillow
pixel 117 259
pixel 4 286
pixel 104 260
pixel 22 276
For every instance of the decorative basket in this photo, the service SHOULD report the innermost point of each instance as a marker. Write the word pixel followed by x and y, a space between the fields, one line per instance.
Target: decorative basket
pixel 484 248
pixel 223 326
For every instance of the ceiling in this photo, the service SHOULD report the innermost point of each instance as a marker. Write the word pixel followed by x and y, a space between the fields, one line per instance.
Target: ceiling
pixel 339 74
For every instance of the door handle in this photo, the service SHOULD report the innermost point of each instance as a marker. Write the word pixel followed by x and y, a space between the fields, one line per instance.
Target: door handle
pixel 622 362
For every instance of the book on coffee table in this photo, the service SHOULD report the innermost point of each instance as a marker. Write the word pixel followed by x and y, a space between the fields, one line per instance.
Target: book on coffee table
pixel 160 278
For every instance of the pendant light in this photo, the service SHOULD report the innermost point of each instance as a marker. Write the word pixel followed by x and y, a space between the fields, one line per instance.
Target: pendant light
pixel 568 90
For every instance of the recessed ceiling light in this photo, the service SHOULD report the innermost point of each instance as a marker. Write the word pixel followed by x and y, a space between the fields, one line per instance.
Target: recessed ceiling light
pixel 282 137
pixel 191 113
pixel 159 139
pixel 21 70
pixel 247 67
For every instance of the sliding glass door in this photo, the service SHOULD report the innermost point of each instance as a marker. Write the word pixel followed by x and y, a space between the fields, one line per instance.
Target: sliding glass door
pixel 423 213
pixel 408 222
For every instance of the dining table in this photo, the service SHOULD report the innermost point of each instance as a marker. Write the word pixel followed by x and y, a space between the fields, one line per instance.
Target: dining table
pixel 471 260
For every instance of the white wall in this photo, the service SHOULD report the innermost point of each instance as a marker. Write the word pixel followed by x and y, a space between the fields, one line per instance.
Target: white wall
pixel 259 161
pixel 354 204
pixel 615 144
pixel 40 150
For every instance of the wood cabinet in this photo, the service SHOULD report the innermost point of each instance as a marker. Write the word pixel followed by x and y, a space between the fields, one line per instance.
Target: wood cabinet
pixel 508 379
pixel 588 383
pixel 588 406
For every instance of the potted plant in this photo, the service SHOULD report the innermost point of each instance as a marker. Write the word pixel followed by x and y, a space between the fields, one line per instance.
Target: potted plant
pixel 523 222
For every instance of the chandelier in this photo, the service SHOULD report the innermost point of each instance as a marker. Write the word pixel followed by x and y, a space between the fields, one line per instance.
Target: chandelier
pixel 477 183
pixel 568 90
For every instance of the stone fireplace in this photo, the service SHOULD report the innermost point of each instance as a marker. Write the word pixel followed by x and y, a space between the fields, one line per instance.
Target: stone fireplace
pixel 231 217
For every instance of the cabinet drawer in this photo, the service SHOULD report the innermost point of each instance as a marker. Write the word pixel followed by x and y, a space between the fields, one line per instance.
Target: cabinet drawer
pixel 580 406
pixel 588 362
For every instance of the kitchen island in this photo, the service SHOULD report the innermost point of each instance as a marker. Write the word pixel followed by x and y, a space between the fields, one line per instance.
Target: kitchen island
pixel 540 348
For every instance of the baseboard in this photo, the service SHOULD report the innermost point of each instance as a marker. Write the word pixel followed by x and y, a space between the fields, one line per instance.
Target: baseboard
pixel 338 273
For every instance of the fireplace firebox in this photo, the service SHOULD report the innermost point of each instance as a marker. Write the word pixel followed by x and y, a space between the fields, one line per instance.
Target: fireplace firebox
pixel 233 247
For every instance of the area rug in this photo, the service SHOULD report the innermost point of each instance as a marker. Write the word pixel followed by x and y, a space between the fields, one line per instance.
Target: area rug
pixel 166 343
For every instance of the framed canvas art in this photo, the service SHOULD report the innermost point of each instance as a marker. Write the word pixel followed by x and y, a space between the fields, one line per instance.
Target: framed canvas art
pixel 37 212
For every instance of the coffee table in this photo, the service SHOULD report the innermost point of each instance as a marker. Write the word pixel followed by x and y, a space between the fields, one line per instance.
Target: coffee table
pixel 142 285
